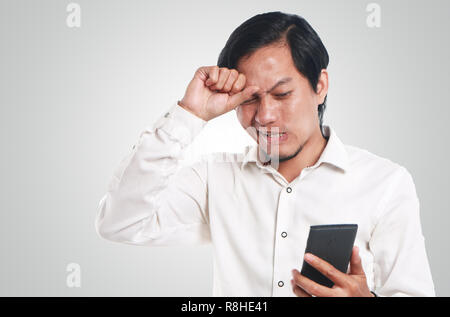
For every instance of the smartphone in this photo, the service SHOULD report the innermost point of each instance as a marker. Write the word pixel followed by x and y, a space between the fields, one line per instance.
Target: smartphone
pixel 332 243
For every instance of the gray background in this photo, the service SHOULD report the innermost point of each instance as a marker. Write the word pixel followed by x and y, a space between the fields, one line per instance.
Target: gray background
pixel 73 102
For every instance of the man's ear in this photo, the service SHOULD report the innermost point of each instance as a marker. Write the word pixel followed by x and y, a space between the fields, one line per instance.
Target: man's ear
pixel 322 86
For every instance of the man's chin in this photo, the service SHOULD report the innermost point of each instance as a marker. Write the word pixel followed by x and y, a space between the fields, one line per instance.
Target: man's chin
pixel 280 156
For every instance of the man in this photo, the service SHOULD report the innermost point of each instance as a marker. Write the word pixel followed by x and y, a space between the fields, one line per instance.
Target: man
pixel 256 209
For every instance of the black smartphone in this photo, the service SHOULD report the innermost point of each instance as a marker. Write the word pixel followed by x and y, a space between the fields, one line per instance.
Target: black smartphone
pixel 332 243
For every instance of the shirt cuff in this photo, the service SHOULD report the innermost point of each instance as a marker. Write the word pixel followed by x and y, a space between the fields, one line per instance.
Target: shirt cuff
pixel 180 124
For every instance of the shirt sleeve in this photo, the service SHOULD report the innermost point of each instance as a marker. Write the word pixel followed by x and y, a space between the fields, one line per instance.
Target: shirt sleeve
pixel 400 261
pixel 153 200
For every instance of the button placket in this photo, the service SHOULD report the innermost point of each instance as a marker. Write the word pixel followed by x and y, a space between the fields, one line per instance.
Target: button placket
pixel 280 272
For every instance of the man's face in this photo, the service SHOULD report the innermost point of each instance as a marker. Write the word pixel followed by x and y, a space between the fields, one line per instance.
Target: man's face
pixel 290 107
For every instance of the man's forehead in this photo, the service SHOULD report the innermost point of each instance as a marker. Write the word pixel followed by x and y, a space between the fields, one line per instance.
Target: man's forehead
pixel 269 83
pixel 268 58
pixel 266 78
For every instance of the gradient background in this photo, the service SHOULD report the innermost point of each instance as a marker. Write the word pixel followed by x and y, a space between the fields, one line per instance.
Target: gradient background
pixel 74 100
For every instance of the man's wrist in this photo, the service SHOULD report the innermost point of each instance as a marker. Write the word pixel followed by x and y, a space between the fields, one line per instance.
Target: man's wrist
pixel 180 124
pixel 189 110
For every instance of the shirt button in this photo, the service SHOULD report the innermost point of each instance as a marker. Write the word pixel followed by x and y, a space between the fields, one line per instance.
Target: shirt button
pixel 280 283
pixel 167 114
pixel 288 189
pixel 284 234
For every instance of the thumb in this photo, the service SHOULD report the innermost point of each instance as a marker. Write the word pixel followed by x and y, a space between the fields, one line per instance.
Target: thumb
pixel 236 99
pixel 356 263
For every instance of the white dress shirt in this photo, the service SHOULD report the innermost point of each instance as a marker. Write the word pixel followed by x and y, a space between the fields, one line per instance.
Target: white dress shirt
pixel 257 222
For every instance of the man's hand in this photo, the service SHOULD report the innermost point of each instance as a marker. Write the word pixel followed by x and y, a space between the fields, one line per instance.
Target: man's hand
pixel 353 284
pixel 214 91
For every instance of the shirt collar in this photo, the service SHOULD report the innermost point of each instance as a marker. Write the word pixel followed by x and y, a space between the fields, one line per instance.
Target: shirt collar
pixel 334 152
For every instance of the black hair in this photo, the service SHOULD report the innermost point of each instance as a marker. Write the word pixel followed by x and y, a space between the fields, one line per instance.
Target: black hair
pixel 308 52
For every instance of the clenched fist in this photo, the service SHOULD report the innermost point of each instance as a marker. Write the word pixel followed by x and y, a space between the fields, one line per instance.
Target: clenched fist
pixel 214 91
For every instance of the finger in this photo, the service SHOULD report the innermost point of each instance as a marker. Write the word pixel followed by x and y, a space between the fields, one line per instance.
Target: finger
pixel 223 76
pixel 356 263
pixel 213 75
pixel 230 81
pixel 327 269
pixel 236 99
pixel 239 84
pixel 310 286
pixel 298 290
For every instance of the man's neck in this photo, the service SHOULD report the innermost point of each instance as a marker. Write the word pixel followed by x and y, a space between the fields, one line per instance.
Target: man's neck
pixel 308 156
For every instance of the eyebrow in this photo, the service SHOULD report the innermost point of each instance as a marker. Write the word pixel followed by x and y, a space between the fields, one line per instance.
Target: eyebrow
pixel 280 82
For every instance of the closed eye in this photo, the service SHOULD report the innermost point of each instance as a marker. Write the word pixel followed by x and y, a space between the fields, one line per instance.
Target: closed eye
pixel 248 101
pixel 277 95
pixel 283 94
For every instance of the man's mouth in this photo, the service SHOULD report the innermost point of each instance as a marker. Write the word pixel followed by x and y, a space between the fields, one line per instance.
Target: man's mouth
pixel 272 138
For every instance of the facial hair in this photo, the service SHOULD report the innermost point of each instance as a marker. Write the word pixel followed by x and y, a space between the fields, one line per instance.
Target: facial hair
pixel 268 160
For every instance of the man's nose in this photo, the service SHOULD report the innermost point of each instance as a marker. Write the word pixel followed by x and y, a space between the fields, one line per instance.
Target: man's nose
pixel 266 112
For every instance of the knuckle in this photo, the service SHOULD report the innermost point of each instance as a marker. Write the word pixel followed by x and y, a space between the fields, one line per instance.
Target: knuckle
pixel 329 272
pixel 213 69
pixel 240 82
pixel 231 80
pixel 215 72
pixel 314 289
pixel 237 87
pixel 234 73
pixel 223 75
pixel 230 84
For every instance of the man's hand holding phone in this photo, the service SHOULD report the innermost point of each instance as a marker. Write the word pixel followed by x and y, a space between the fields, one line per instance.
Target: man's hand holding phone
pixel 214 91
pixel 353 284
